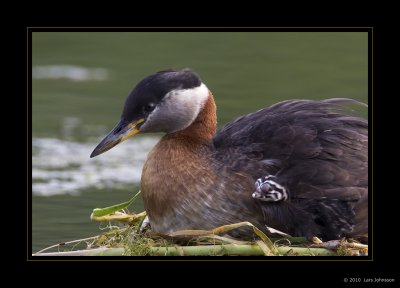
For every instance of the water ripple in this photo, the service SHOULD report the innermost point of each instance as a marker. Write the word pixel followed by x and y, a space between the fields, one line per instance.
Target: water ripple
pixel 61 167
pixel 70 72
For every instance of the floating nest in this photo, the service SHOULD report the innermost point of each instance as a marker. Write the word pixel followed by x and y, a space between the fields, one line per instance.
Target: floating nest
pixel 126 234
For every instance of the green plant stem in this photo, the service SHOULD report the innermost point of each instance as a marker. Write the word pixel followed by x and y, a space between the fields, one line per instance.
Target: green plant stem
pixel 88 252
pixel 206 250
pixel 231 249
pixel 292 240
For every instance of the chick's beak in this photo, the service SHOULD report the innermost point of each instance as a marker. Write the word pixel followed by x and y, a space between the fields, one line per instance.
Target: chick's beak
pixel 122 131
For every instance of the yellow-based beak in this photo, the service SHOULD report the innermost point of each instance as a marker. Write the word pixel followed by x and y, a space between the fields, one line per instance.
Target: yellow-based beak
pixel 120 133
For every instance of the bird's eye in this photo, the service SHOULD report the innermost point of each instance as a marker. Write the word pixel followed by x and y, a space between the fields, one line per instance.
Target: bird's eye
pixel 149 107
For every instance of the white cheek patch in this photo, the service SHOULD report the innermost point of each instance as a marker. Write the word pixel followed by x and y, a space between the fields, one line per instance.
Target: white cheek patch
pixel 190 99
pixel 177 111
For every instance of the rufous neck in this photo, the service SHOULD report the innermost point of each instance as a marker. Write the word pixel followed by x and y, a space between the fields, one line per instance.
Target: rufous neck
pixel 204 126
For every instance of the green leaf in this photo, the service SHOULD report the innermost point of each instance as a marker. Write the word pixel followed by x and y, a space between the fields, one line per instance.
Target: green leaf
pixel 98 212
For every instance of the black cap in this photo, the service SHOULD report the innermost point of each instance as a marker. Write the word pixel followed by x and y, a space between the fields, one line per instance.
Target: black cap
pixel 153 88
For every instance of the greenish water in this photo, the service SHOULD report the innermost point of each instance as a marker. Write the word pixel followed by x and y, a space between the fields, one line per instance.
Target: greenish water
pixel 80 81
pixel 64 217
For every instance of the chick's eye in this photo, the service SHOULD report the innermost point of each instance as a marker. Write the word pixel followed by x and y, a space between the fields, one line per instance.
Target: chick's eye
pixel 149 107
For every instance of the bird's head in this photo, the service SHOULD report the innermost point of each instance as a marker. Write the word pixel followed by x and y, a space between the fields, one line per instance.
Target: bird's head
pixel 167 101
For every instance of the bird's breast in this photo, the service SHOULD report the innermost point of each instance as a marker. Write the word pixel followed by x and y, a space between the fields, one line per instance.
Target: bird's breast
pixel 182 190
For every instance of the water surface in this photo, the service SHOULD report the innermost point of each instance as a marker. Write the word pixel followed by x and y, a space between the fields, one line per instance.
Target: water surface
pixel 80 81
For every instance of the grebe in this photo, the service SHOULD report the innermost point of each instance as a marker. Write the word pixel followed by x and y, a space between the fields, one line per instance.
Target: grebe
pixel 299 166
